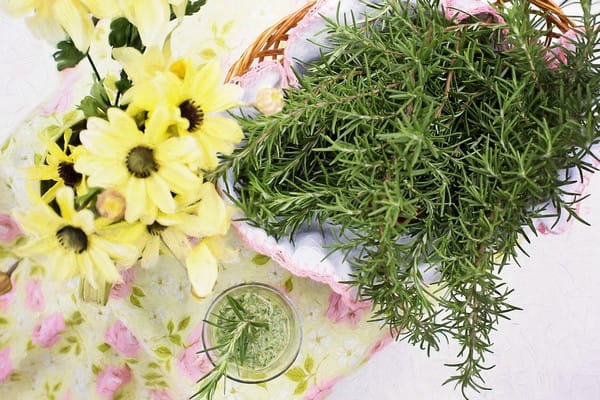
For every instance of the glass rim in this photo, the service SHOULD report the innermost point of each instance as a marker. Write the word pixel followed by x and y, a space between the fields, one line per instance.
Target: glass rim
pixel 286 299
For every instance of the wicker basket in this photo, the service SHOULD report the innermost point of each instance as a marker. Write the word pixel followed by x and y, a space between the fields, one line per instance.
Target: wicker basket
pixel 270 43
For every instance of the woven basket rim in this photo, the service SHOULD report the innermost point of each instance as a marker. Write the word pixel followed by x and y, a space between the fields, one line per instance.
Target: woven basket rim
pixel 269 43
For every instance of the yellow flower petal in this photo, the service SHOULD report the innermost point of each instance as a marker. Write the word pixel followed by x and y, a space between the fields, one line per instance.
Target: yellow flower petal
pixel 84 219
pixel 140 67
pixel 179 178
pixel 151 17
pixel 122 123
pixel 76 21
pixel 136 199
pixel 151 252
pixel 64 264
pixel 213 211
pixel 43 172
pixel 158 190
pixel 203 83
pixel 103 8
pixel 51 193
pixel 104 266
pixel 183 149
pixel 219 248
pixel 223 98
pixel 123 254
pixel 222 129
pixel 177 242
pixel 101 172
pixel 202 269
pixel 35 247
pixel 157 124
pixel 85 263
pixel 65 198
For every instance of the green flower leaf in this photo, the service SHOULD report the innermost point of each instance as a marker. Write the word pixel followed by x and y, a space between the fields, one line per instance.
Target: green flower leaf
pixel 97 103
pixel 95 369
pixel 176 339
pixel 163 351
pixel 170 327
pixel 260 259
pixel 301 387
pixel 104 347
pixel 37 270
pixel 184 323
pixel 194 6
pixel 124 33
pixel 138 291
pixel 309 363
pixel 289 284
pixel 124 82
pixel 135 301
pixel 296 374
pixel 152 375
pixel 67 55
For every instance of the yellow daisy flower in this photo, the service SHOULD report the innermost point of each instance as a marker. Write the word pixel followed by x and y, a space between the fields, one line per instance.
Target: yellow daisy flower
pixel 51 17
pixel 194 98
pixel 146 167
pixel 57 167
pixel 72 243
pixel 207 217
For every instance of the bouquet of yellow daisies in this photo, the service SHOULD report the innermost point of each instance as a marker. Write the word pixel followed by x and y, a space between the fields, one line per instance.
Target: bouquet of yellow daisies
pixel 123 181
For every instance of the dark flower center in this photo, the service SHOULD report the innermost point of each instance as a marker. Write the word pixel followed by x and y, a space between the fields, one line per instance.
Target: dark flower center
pixel 140 162
pixel 193 113
pixel 67 173
pixel 72 238
pixel 155 228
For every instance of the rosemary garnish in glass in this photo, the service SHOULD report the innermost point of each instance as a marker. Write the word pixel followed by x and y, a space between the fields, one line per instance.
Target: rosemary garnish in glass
pixel 237 328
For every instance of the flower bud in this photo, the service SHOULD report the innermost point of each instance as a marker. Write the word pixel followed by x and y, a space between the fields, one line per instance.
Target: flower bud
pixel 269 101
pixel 111 204
pixel 5 284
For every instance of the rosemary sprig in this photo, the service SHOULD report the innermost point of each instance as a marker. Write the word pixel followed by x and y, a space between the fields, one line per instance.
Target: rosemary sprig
pixel 430 146
pixel 237 330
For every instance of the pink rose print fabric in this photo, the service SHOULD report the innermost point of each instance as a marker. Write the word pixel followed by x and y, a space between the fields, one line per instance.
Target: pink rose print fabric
pixel 7 298
pixel 35 296
pixel 111 379
pixel 119 337
pixel 123 289
pixel 9 230
pixel 48 331
pixel 192 364
pixel 160 395
pixel 5 365
pixel 340 311
pixel 321 391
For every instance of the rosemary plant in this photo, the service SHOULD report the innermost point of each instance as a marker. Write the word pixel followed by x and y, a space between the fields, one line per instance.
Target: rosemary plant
pixel 237 329
pixel 429 145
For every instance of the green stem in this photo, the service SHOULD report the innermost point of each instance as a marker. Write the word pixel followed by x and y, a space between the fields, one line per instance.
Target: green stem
pixel 94 67
pixel 117 98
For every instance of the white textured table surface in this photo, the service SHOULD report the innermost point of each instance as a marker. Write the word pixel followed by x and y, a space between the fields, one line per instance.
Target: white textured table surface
pixel 548 351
